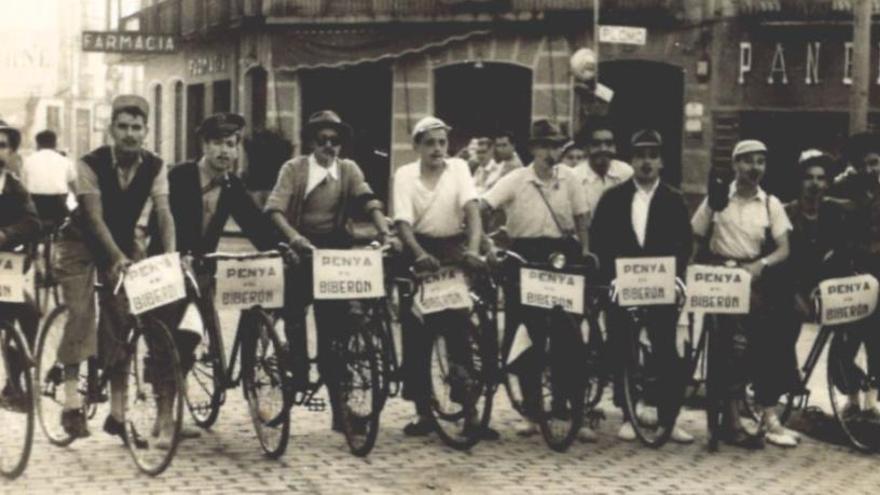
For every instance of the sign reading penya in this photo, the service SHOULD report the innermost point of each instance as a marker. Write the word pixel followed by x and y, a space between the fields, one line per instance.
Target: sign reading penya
pixel 847 299
pixel 718 290
pixel 645 281
pixel 347 274
pixel 245 283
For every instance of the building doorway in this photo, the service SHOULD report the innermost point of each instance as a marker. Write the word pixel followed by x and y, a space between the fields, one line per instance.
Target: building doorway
pixel 361 95
pixel 647 95
pixel 481 99
pixel 195 114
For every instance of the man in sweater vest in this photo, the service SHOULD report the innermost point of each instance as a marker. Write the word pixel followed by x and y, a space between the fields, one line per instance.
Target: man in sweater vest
pixel 19 224
pixel 313 200
pixel 113 186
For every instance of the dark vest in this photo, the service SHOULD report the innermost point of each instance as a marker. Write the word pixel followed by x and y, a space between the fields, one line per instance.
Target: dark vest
pixel 122 208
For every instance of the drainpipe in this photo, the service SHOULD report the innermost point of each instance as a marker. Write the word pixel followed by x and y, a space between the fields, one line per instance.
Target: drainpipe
pixel 858 98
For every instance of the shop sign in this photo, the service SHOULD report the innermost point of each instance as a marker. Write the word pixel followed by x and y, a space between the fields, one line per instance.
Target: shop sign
pixel 217 63
pixel 128 42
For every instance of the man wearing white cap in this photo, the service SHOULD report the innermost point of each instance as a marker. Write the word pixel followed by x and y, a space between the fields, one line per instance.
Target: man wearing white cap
pixel 438 218
pixel 751 232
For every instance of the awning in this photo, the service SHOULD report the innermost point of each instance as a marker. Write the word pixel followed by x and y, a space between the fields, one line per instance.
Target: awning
pixel 315 48
pixel 808 8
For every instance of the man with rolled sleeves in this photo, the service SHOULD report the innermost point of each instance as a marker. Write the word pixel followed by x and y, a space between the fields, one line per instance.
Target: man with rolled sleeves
pixel 313 200
pixel 113 186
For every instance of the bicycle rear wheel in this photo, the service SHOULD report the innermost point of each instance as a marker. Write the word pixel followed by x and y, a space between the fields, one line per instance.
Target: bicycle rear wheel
pixel 154 397
pixel 50 378
pixel 846 377
pixel 360 391
pixel 562 386
pixel 264 384
pixel 205 387
pixel 512 384
pixel 16 403
pixel 641 382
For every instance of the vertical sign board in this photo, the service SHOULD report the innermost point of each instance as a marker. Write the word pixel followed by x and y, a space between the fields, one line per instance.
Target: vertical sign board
pixel 347 274
pixel 12 278
pixel 718 290
pixel 243 284
pixel 645 281
pixel 847 299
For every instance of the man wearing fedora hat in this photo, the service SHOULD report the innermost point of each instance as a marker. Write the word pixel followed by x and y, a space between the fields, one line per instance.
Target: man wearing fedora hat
pixel 312 203
pixel 113 187
pixel 19 224
pixel 546 212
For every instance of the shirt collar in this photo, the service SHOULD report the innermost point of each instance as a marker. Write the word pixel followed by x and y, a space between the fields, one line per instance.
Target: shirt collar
pixel 590 175
pixel 315 168
pixel 140 158
pixel 533 176
pixel 760 196
pixel 648 192
pixel 206 177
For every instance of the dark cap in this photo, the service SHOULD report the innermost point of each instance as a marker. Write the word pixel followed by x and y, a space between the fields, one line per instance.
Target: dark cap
pixel 131 101
pixel 325 119
pixel 544 131
pixel 221 125
pixel 646 138
pixel 13 134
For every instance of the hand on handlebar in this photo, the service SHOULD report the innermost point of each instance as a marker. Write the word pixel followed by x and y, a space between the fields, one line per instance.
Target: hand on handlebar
pixel 473 262
pixel 118 267
pixel 288 253
pixel 427 263
pixel 590 258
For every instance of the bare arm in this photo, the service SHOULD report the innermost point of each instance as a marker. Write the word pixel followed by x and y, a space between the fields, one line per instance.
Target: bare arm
pixel 94 216
pixel 474 226
pixel 408 237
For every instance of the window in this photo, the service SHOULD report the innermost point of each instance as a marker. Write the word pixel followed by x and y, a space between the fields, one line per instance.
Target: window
pixel 53 118
pixel 157 119
pixel 222 96
pixel 178 122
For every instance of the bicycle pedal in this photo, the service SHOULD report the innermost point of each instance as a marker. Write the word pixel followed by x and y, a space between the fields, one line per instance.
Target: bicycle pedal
pixel 316 404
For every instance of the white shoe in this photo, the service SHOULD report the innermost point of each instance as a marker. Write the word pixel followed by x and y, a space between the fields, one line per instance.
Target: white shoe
pixel 626 432
pixel 587 435
pixel 679 435
pixel 774 426
pixel 780 439
pixel 648 417
pixel 526 428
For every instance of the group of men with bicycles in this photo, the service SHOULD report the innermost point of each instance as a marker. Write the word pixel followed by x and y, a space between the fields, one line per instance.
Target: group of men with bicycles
pixel 596 212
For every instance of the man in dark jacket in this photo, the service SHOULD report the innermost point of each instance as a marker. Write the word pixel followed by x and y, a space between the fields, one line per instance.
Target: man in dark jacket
pixel 643 217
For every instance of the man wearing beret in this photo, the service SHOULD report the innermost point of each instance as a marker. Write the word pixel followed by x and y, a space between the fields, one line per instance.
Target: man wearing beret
pixel 312 203
pixel 204 194
pixel 113 186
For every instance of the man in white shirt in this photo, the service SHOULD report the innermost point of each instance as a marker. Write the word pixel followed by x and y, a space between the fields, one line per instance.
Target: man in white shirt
pixel 49 177
pixel 601 171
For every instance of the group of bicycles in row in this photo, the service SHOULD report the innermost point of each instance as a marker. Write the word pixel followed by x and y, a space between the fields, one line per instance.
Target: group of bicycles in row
pixel 572 378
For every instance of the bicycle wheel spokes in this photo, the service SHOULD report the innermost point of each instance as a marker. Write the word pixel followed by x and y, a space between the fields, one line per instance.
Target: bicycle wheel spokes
pixel 16 404
pixel 263 384
pixel 50 378
pixel 642 389
pixel 204 383
pixel 360 392
pixel 562 397
pixel 154 399
pixel 848 386
pixel 452 400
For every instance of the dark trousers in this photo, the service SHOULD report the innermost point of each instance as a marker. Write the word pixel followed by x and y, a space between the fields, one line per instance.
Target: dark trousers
pixel 661 324
pixel 28 317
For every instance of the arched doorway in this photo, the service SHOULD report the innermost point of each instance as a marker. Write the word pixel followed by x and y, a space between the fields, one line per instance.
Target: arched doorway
pixel 480 99
pixel 647 95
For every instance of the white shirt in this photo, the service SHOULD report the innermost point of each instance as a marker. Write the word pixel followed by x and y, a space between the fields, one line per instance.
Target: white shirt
pixel 437 212
pixel 2 179
pixel 47 172
pixel 640 208
pixel 595 185
pixel 317 173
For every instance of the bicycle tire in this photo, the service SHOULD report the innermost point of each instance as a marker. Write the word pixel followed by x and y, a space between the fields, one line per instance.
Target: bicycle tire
pixel 637 379
pixel 512 386
pixel 263 365
pixel 152 349
pixel 863 435
pixel 560 423
pixel 210 363
pixel 50 380
pixel 359 357
pixel 714 393
pixel 23 387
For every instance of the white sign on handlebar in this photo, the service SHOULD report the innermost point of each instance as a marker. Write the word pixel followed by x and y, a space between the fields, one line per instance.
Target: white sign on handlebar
pixel 13 281
pixel 245 283
pixel 347 274
pixel 546 289
pixel 154 282
pixel 718 290
pixel 847 299
pixel 645 281
pixel 445 289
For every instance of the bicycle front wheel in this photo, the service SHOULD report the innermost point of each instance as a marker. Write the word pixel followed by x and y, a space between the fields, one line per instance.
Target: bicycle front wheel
pixel 50 378
pixel 264 383
pixel 848 386
pixel 154 398
pixel 641 381
pixel 360 391
pixel 16 403
pixel 205 382
pixel 561 403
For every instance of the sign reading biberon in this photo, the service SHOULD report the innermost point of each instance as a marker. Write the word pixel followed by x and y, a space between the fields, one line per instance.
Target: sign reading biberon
pixel 445 289
pixel 718 290
pixel 128 42
pixel 347 274
pixel 154 282
pixel 847 299
pixel 546 289
pixel 12 278
pixel 243 284
pixel 645 281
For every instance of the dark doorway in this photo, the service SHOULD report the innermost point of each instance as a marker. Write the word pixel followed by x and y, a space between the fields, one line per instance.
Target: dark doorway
pixel 482 99
pixel 361 95
pixel 195 114
pixel 786 135
pixel 647 95
pixel 222 96
pixel 256 98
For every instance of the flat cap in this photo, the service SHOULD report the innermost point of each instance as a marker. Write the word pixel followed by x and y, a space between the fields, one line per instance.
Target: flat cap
pixel 646 138
pixel 221 125
pixel 131 101
pixel 428 124
pixel 748 146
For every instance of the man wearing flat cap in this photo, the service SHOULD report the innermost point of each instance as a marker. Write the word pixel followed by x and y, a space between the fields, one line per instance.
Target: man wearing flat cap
pixel 645 217
pixel 312 203
pixel 750 232
pixel 114 184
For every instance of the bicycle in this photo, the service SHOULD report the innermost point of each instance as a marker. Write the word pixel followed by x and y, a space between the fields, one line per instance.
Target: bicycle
pixel 45 283
pixel 560 409
pixel 17 409
pixel 861 432
pixel 461 385
pixel 261 373
pixel 148 348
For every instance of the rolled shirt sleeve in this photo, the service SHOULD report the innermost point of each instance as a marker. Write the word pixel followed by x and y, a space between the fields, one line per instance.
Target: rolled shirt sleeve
pixel 160 183
pixel 501 193
pixel 86 180
pixel 403 205
pixel 701 219
pixel 279 198
pixel 779 221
